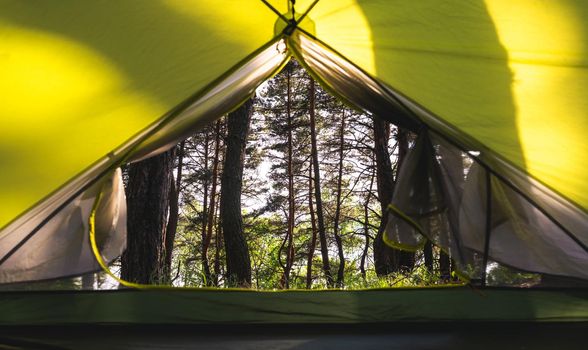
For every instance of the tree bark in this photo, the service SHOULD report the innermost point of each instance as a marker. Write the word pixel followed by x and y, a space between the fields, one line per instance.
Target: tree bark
pixel 366 227
pixel 288 241
pixel 386 259
pixel 338 241
pixel 312 245
pixel 147 202
pixel 218 247
pixel 203 230
pixel 428 254
pixel 207 235
pixel 317 189
pixel 174 209
pixel 237 253
pixel 444 266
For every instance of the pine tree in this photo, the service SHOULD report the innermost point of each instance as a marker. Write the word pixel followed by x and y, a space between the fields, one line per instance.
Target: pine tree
pixel 147 207
pixel 237 253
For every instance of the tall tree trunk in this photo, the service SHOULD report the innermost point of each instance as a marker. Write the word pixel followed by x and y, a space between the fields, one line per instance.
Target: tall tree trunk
pixel 147 203
pixel 386 259
pixel 384 256
pixel 174 209
pixel 428 253
pixel 444 266
pixel 338 241
pixel 204 229
pixel 219 271
pixel 237 253
pixel 288 241
pixel 366 226
pixel 312 245
pixel 218 246
pixel 213 192
pixel 317 189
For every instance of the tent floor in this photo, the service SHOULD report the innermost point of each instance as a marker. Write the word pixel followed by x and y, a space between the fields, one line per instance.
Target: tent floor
pixel 436 318
pixel 456 335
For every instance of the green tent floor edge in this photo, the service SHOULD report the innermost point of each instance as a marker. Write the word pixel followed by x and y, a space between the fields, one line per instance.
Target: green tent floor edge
pixel 192 307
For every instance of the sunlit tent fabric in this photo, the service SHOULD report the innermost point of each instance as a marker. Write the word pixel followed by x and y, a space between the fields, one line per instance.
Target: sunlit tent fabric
pixel 87 86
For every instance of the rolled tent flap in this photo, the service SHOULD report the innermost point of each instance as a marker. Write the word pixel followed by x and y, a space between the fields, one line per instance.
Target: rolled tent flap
pixel 425 204
pixel 442 195
pixel 61 246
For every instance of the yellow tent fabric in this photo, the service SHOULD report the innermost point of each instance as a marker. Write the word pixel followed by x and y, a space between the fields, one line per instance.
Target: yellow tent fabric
pixel 83 80
pixel 511 74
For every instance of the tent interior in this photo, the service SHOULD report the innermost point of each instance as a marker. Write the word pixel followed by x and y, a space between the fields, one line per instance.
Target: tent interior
pixel 90 86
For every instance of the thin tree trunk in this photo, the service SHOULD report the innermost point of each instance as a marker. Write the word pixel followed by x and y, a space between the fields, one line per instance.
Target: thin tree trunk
pixel 317 189
pixel 218 246
pixel 338 241
pixel 219 273
pixel 312 246
pixel 205 223
pixel 172 221
pixel 428 253
pixel 287 267
pixel 213 192
pixel 444 266
pixel 384 256
pixel 366 227
pixel 147 203
pixel 236 250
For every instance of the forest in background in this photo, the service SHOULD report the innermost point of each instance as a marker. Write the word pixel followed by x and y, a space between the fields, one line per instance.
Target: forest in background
pixel 285 192
pixel 316 176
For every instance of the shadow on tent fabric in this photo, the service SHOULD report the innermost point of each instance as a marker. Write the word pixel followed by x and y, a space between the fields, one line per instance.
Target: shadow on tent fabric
pixel 512 76
pixel 448 58
pixel 451 57
pixel 119 34
pixel 86 77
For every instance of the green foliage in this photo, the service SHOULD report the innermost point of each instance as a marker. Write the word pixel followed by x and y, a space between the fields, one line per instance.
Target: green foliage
pixel 500 275
pixel 265 194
